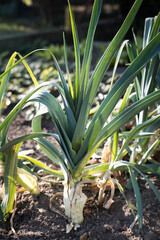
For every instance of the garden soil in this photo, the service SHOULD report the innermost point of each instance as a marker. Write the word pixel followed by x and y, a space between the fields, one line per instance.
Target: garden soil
pixel 34 220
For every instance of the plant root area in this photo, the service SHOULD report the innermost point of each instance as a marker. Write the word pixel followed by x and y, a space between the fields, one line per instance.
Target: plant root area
pixel 35 220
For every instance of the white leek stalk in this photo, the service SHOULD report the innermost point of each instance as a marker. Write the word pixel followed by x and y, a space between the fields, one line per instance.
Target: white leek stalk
pixel 1 169
pixel 74 201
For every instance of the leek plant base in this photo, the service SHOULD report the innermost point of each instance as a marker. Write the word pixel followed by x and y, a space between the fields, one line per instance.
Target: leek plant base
pixel 33 217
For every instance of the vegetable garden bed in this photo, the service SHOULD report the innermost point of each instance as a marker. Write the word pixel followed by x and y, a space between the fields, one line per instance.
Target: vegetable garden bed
pixel 123 120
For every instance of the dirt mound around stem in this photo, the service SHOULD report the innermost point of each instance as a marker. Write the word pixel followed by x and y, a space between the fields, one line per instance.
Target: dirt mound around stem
pixel 35 220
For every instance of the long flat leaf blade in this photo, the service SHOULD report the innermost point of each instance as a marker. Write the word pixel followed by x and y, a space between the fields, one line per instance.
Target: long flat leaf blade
pixel 29 70
pixel 138 197
pixel 10 179
pixel 77 53
pixel 41 165
pixel 88 51
pixel 67 68
pixel 5 78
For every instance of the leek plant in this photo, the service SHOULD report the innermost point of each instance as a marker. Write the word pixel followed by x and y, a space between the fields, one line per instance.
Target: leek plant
pixel 77 135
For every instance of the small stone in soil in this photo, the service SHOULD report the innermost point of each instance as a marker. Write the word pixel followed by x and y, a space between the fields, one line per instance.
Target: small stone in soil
pixel 107 228
pixel 84 236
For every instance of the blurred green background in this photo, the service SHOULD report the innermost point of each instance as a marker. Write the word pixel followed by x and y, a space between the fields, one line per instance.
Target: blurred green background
pixel 27 24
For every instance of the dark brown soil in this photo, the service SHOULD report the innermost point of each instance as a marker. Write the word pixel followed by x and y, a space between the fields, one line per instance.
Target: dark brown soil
pixel 35 220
